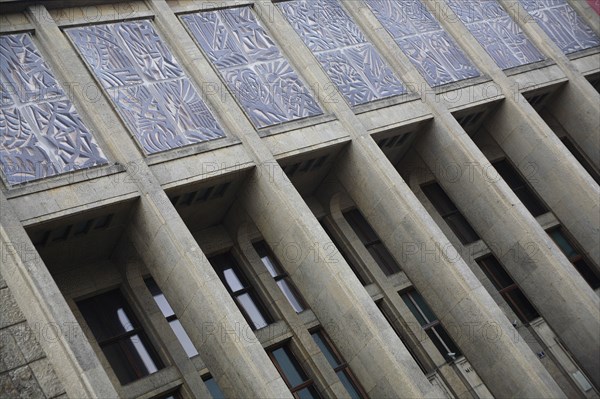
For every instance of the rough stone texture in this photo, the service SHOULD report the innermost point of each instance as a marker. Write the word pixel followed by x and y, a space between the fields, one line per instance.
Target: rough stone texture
pixel 25 372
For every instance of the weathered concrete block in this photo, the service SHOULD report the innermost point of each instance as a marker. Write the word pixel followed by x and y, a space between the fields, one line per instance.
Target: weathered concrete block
pixel 46 377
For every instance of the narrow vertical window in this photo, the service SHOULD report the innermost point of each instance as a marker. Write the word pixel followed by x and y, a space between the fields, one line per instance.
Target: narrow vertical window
pixel 509 290
pixel 410 350
pixel 582 264
pixel 583 161
pixel 241 291
pixel 171 317
pixel 430 324
pixel 280 277
pixel 355 269
pixel 338 364
pixel 213 388
pixel 520 187
pixel 450 213
pixel 371 241
pixel 120 336
pixel 294 376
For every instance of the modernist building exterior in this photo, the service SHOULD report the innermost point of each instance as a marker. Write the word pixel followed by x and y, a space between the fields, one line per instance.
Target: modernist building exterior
pixel 307 198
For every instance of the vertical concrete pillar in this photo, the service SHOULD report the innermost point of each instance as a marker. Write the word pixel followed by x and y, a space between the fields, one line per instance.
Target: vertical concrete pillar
pixel 366 341
pixel 556 176
pixel 469 314
pixel 508 368
pixel 577 110
pixel 543 160
pixel 223 338
pixel 216 327
pixel 42 304
pixel 332 291
pixel 548 279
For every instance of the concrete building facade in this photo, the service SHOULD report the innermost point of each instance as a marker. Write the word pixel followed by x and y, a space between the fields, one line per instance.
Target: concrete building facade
pixel 303 198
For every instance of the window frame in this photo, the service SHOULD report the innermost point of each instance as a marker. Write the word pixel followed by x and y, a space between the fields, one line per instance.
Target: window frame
pixel 287 347
pixel 343 365
pixel 149 280
pixel 446 216
pixel 281 274
pixel 521 188
pixel 431 325
pixel 580 256
pixel 247 288
pixel 138 330
pixel 362 229
pixel 505 290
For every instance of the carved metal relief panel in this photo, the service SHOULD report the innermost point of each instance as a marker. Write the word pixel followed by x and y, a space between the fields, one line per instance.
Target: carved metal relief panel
pixel 562 24
pixel 41 133
pixel 149 88
pixel 493 28
pixel 351 62
pixel 430 49
pixel 264 82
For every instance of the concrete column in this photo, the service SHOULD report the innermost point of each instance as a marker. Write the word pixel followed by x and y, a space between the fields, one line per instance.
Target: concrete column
pixel 577 110
pixel 556 176
pixel 543 160
pixel 329 286
pixel 223 338
pixel 331 289
pixel 548 279
pixel 216 327
pixel 508 368
pixel 42 304
pixel 469 314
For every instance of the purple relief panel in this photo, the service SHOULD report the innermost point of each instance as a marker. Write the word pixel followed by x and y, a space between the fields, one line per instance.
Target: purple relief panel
pixel 430 49
pixel 41 133
pixel 352 63
pixel 562 24
pixel 501 37
pixel 261 79
pixel 149 88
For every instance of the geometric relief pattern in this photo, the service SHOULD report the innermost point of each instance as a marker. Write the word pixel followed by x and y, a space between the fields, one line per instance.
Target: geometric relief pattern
pixel 41 133
pixel 149 88
pixel 261 79
pixel 352 63
pixel 562 24
pixel 501 37
pixel 421 38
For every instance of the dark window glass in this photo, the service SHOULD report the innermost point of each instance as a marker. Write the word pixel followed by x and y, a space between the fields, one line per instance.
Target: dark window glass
pixel 371 241
pixel 213 388
pixel 120 336
pixel 169 314
pixel 379 304
pixel 582 263
pixel 509 290
pixel 355 269
pixel 282 279
pixel 450 213
pixel 171 395
pixel 430 324
pixel 581 158
pixel 339 365
pixel 294 376
pixel 520 187
pixel 241 291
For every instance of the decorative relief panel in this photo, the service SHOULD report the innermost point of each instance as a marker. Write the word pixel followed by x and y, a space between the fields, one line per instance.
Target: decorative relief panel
pixel 430 49
pixel 264 82
pixel 501 37
pixel 562 24
pixel 147 85
pixel 41 133
pixel 351 62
